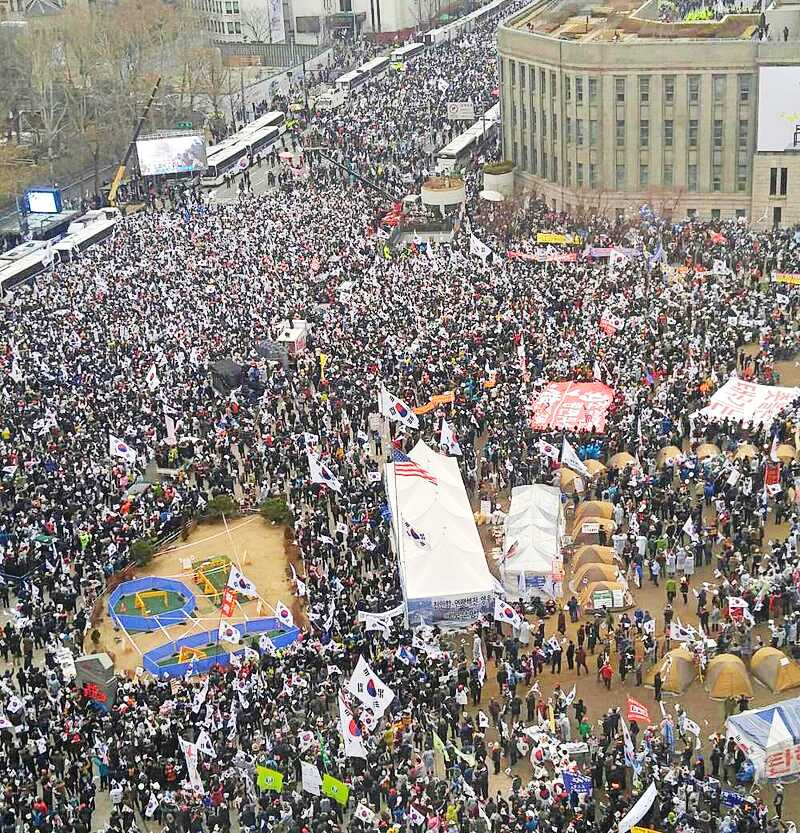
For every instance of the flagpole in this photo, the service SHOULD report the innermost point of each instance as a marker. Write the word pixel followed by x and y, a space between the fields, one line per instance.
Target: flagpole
pixel 401 566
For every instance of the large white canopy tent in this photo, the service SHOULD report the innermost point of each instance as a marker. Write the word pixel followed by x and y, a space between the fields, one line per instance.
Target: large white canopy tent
pixel 770 738
pixel 442 564
pixel 534 528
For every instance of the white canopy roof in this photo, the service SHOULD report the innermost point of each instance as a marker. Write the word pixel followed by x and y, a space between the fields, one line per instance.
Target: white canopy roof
pixel 535 524
pixel 452 562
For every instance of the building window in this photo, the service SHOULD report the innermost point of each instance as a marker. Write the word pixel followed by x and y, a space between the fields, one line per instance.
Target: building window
pixel 716 177
pixel 718 86
pixel 524 118
pixel 555 168
pixel 669 133
pixel 744 88
pixel 694 89
pixel 524 156
pixel 668 175
pixel 593 176
pixel 231 30
pixel 569 173
pixel 619 177
pixel 534 160
pixel 554 122
pixel 716 213
pixel 773 182
pixel 593 133
pixel 533 122
pixel 542 81
pixel 579 175
pixel 553 84
pixel 692 133
pixel 513 67
pixel 544 127
pixel 579 132
pixel 644 89
pixel 568 128
pixel 740 212
pixel 644 133
pixel 691 177
pixel 522 76
pixel 513 114
pixel 784 181
pixel 644 175
pixel 741 176
pixel 568 88
pixel 717 133
pixel 777 215
pixel 544 165
pixel 237 27
pixel 533 80
pixel 228 7
pixel 619 90
pixel 592 90
pixel 669 89
pixel 744 129
pixel 578 89
pixel 620 133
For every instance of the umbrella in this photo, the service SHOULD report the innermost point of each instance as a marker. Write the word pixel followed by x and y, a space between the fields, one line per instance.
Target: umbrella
pixel 707 450
pixel 621 459
pixel 746 450
pixel 785 453
pixel 667 456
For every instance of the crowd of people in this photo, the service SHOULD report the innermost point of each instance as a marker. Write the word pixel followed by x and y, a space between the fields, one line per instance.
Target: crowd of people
pixel 107 344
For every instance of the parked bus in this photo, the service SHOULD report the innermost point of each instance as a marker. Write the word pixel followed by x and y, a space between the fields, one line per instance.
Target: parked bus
pixel 458 152
pixel 82 236
pixel 376 68
pixel 237 156
pixel 351 80
pixel 406 54
pixel 20 265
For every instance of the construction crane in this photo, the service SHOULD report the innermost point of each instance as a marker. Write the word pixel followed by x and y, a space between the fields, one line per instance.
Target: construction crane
pixel 120 174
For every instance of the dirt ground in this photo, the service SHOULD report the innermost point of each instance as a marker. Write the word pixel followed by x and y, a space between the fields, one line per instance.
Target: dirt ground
pixel 251 543
pixel 707 713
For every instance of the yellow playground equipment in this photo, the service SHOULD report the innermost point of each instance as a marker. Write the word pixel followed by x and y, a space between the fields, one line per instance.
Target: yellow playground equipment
pixel 141 599
pixel 188 654
pixel 204 576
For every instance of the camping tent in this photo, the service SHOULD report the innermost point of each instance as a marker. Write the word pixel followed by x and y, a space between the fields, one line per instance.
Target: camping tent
pixel 611 595
pixel 677 670
pixel 765 735
pixel 594 509
pixel 774 669
pixel 593 572
pixel 534 527
pixel 726 676
pixel 442 564
pixel 592 554
pixel 667 456
pixel 588 531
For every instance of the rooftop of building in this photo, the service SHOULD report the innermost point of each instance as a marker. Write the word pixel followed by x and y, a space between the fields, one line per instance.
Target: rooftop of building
pixel 609 21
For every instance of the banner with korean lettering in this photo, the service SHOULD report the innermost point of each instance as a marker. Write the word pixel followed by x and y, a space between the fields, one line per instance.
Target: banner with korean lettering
pixel 577 406
pixel 748 402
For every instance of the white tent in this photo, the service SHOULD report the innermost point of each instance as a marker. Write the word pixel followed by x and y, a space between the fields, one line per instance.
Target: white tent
pixel 770 738
pixel 532 549
pixel 442 564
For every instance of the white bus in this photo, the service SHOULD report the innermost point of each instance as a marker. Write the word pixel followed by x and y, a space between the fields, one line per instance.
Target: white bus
pixel 409 52
pixel 237 156
pixel 20 272
pixel 376 68
pixel 351 80
pixel 459 151
pixel 83 235
pixel 275 118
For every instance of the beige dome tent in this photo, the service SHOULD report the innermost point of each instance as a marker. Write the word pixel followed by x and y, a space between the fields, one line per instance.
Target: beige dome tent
pixel 582 535
pixel 566 480
pixel 595 467
pixel 612 595
pixel 677 670
pixel 621 459
pixel 774 669
pixel 592 554
pixel 667 456
pixel 726 676
pixel 785 453
pixel 706 450
pixel 593 572
pixel 594 508
pixel 745 451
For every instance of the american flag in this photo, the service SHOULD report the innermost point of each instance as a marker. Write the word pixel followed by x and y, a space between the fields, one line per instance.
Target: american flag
pixel 406 467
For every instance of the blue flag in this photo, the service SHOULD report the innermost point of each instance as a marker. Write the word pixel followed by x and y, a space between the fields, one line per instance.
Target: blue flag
pixel 581 784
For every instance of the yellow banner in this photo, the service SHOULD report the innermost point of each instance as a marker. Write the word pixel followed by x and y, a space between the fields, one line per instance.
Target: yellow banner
pixel 555 239
pixel 636 829
pixel 435 402
pixel 787 277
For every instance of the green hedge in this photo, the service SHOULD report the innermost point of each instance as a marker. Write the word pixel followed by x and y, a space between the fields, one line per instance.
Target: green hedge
pixel 497 168
pixel 275 510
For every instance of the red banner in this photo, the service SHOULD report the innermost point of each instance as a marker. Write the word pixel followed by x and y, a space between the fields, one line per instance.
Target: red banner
pixel 579 406
pixel 228 601
pixel 637 711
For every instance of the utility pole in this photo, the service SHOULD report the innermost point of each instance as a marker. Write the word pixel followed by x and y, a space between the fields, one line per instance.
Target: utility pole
pixel 305 88
pixel 230 101
pixel 244 104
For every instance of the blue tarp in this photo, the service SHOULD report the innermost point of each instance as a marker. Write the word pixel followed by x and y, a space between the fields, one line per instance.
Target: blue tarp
pixel 754 725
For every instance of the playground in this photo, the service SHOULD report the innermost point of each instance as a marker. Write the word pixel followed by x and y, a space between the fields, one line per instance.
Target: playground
pixel 182 605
